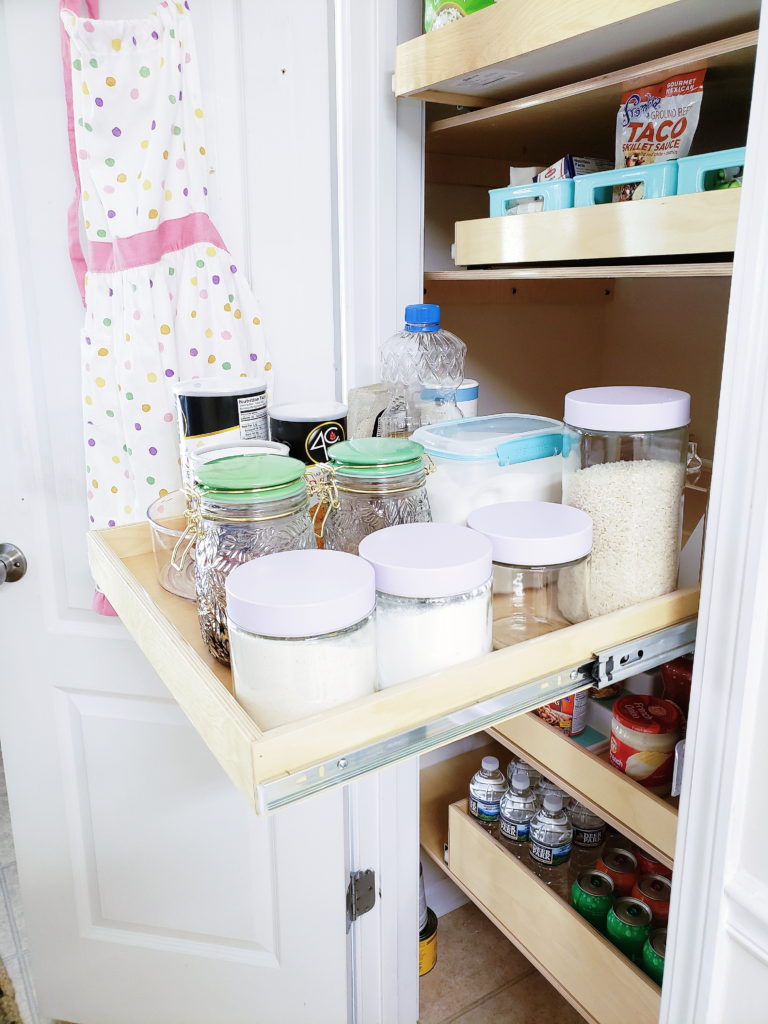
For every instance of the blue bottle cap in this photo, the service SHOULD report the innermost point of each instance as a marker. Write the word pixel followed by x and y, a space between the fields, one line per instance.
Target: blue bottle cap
pixel 422 317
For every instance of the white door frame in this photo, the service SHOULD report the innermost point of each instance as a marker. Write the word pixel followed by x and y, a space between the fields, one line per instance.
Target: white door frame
pixel 712 899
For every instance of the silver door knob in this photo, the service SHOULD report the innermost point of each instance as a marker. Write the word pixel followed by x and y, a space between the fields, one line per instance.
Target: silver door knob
pixel 13 564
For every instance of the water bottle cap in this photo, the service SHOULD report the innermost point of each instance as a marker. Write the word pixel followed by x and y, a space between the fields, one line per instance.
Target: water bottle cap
pixel 490 764
pixel 520 780
pixel 553 803
pixel 423 313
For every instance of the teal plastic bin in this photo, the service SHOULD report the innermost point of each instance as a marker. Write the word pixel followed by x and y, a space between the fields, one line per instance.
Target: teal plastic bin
pixel 557 195
pixel 699 173
pixel 658 180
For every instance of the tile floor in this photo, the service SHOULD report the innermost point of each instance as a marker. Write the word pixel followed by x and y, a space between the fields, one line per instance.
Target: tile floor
pixel 480 978
pixel 13 947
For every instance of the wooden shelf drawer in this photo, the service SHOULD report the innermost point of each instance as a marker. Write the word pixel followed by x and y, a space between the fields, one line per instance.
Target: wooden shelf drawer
pixel 595 977
pixel 281 765
pixel 643 817
pixel 704 222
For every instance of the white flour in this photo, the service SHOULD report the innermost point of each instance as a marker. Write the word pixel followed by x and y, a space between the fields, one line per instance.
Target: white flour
pixel 279 681
pixel 636 515
pixel 417 636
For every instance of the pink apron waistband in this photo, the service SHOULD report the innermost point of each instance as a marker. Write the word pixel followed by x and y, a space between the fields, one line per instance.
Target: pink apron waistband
pixel 150 246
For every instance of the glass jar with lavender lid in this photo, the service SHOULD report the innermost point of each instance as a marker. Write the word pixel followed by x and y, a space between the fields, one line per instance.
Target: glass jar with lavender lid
pixel 433 598
pixel 244 506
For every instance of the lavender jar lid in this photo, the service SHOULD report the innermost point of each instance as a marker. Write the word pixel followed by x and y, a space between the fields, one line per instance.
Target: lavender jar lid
pixel 300 593
pixel 428 559
pixel 534 533
pixel 627 409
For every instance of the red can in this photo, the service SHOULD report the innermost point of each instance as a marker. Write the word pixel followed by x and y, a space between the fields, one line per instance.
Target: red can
pixel 647 866
pixel 568 714
pixel 621 866
pixel 654 891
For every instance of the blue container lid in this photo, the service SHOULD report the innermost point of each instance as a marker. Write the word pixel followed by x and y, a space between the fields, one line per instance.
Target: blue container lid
pixel 507 438
pixel 424 316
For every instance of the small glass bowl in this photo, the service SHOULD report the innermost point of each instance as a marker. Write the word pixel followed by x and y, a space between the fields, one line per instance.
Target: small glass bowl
pixel 167 520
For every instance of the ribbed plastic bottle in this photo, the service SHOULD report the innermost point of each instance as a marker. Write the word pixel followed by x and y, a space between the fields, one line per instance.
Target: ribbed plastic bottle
pixel 550 846
pixel 421 356
pixel 518 806
pixel 547 786
pixel 517 764
pixel 588 838
pixel 486 788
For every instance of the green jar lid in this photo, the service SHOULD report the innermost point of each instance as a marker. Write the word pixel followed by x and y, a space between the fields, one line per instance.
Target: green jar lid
pixel 377 456
pixel 243 478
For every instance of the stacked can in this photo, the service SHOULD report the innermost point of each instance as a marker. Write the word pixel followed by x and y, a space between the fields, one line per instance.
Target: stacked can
pixel 654 952
pixel 620 865
pixel 628 925
pixel 592 897
pixel 654 891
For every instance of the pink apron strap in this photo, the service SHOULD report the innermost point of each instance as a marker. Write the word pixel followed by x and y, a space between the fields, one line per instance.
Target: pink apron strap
pixel 73 216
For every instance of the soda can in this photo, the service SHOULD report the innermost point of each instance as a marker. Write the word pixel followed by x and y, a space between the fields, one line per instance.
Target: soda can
pixel 592 896
pixel 654 951
pixel 628 925
pixel 621 866
pixel 654 890
pixel 647 866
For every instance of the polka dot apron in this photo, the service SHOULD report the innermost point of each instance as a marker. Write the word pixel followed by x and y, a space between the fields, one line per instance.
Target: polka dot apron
pixel 164 299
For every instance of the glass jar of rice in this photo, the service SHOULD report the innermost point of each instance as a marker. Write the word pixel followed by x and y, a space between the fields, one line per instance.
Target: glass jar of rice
pixel 624 456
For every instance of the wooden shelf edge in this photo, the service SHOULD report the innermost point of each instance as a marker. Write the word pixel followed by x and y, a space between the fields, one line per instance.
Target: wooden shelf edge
pixel 702 222
pixel 491 36
pixel 642 816
pixel 505 891
pixel 615 82
pixel 590 273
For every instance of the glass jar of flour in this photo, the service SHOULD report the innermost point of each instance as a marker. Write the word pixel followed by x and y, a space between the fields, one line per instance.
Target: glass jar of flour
pixel 540 566
pixel 244 507
pixel 625 451
pixel 433 598
pixel 302 633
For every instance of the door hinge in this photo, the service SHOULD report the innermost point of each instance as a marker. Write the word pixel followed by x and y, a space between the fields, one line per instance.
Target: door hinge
pixel 361 894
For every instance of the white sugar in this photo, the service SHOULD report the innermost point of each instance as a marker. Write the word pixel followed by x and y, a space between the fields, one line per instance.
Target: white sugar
pixel 636 514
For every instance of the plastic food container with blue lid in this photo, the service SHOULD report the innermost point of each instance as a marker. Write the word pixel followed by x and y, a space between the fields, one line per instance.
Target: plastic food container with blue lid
pixel 483 460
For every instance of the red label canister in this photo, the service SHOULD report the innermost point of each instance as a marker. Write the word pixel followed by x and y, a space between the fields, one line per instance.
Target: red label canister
pixel 568 714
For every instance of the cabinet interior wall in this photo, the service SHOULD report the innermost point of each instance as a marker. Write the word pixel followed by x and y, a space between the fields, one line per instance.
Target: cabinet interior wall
pixel 529 342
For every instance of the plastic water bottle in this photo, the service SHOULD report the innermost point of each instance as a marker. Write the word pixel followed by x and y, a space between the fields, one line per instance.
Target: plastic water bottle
pixel 486 788
pixel 550 846
pixel 517 764
pixel 421 356
pixel 518 806
pixel 547 786
pixel 588 838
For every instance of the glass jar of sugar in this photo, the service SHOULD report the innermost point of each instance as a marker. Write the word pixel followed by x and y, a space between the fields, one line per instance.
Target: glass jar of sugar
pixel 433 598
pixel 244 507
pixel 301 633
pixel 372 483
pixel 540 566
pixel 624 456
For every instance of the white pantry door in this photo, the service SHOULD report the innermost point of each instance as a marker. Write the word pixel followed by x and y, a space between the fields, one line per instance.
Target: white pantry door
pixel 152 894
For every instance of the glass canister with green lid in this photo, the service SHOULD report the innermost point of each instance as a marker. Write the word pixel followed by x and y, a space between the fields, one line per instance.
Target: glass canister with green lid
pixel 369 484
pixel 243 507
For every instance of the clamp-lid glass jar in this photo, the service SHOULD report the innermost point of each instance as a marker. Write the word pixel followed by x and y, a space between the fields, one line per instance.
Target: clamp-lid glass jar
pixel 372 483
pixel 302 633
pixel 540 566
pixel 245 506
pixel 433 597
pixel 625 451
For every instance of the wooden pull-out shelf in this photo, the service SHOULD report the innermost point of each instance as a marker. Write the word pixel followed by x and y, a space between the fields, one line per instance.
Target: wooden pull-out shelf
pixel 704 222
pixel 645 818
pixel 528 45
pixel 603 985
pixel 284 764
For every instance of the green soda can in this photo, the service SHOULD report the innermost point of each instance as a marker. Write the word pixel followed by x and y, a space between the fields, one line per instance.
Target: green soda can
pixel 592 896
pixel 628 926
pixel 653 954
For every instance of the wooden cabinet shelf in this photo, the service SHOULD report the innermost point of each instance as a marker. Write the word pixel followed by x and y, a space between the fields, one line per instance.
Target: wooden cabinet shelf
pixel 704 222
pixel 594 976
pixel 510 50
pixel 643 817
pixel 285 764
pixel 603 985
